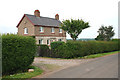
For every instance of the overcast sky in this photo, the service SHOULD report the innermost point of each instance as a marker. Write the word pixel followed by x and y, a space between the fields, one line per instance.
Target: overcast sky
pixel 96 12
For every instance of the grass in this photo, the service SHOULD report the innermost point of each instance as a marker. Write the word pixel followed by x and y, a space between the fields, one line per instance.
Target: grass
pixel 37 71
pixel 98 55
pixel 88 56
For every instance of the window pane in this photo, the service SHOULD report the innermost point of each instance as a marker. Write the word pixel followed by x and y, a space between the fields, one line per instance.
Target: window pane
pixel 25 31
pixel 41 29
pixel 40 41
pixel 52 30
pixel 47 41
pixel 60 30
pixel 59 39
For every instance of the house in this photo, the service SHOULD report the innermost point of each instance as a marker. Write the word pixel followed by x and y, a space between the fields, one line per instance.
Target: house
pixel 44 29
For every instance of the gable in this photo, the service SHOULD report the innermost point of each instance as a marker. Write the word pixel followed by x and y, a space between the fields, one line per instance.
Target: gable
pixel 22 20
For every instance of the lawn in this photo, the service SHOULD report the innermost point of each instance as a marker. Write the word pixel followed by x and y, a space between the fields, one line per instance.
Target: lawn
pixel 19 76
pixel 99 55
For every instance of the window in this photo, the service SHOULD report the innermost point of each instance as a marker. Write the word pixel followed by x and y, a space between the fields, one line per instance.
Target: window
pixel 41 29
pixel 48 42
pixel 52 30
pixel 40 41
pixel 60 30
pixel 25 30
pixel 59 39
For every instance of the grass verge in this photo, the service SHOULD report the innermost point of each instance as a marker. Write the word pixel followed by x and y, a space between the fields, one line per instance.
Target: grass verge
pixel 98 55
pixel 37 71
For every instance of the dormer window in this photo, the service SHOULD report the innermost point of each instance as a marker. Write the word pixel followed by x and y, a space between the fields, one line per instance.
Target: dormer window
pixel 41 29
pixel 25 30
pixel 52 30
pixel 60 30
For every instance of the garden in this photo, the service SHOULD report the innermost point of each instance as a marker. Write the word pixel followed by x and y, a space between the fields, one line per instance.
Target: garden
pixel 18 52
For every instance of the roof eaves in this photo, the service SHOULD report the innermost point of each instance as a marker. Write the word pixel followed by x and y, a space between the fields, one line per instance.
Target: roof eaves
pixel 46 26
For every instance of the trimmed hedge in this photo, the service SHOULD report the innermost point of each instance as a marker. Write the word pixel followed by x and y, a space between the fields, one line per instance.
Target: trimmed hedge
pixel 17 53
pixel 43 50
pixel 74 49
pixel 55 51
pixel 56 44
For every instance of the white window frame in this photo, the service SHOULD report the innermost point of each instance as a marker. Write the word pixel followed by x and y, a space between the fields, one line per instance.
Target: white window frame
pixel 60 30
pixel 52 30
pixel 25 30
pixel 41 41
pixel 41 29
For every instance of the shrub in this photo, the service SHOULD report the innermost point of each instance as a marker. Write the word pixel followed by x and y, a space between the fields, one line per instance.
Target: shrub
pixel 56 44
pixel 43 50
pixel 54 51
pixel 73 49
pixel 17 53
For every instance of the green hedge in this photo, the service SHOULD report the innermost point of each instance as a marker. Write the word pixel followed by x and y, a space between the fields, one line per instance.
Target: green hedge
pixel 74 49
pixel 43 50
pixel 17 53
pixel 55 51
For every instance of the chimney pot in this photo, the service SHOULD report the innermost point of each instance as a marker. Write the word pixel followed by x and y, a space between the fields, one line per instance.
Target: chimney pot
pixel 57 16
pixel 37 13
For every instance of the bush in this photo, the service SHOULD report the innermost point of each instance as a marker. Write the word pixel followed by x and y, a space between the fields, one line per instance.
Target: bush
pixel 17 53
pixel 117 40
pixel 43 50
pixel 54 48
pixel 74 49
pixel 56 44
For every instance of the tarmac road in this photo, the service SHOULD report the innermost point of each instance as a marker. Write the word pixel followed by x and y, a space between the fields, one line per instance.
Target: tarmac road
pixel 103 67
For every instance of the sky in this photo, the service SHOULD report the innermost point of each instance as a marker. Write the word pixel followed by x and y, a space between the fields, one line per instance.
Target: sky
pixel 96 12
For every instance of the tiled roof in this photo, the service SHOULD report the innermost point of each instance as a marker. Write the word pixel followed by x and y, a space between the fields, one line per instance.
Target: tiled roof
pixel 44 21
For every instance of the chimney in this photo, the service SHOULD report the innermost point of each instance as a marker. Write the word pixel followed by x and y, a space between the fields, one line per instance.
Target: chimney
pixel 57 16
pixel 37 13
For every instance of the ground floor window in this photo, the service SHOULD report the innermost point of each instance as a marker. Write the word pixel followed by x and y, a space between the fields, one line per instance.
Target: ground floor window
pixel 40 41
pixel 48 42
pixel 59 39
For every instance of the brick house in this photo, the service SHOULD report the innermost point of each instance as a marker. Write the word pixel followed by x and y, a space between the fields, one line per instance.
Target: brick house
pixel 44 29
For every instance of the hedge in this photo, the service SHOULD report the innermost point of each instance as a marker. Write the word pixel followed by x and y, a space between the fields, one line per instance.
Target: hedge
pixel 17 53
pixel 43 50
pixel 55 52
pixel 74 49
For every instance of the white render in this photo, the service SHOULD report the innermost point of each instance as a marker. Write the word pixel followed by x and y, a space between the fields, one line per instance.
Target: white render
pixel 51 39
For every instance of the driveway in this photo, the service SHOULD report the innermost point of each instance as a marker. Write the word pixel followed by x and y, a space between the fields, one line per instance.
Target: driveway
pixel 52 65
pixel 103 67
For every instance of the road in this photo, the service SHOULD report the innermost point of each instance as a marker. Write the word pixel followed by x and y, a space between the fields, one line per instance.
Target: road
pixel 103 67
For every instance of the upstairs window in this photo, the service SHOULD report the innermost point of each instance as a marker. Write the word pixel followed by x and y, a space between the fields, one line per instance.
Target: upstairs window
pixel 60 30
pixel 41 29
pixel 25 30
pixel 52 30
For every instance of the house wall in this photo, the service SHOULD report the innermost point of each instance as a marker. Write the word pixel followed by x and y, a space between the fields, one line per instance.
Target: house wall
pixel 47 32
pixel 52 39
pixel 25 23
pixel 35 31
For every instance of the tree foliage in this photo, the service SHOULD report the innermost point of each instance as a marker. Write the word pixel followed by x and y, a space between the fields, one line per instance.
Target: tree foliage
pixel 105 33
pixel 74 27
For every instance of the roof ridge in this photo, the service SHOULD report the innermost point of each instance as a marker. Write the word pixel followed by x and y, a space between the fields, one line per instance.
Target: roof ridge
pixel 43 20
pixel 43 17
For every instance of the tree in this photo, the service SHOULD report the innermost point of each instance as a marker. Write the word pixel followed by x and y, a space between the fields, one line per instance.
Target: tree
pixel 105 33
pixel 74 27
